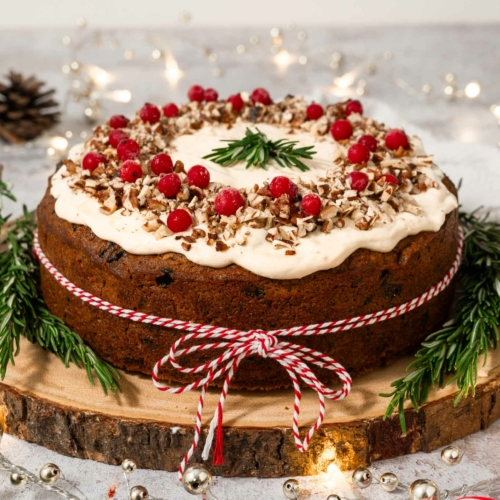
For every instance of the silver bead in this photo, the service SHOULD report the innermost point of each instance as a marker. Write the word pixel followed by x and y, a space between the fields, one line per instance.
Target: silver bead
pixel 424 489
pixel 129 466
pixel 139 493
pixel 451 455
pixel 333 497
pixel 389 481
pixel 18 478
pixel 197 479
pixel 291 489
pixel 50 473
pixel 362 478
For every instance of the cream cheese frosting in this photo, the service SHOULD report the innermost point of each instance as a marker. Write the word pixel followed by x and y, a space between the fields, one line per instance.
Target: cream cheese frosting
pixel 318 251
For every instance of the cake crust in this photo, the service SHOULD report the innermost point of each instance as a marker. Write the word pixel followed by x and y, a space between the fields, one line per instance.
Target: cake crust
pixel 170 285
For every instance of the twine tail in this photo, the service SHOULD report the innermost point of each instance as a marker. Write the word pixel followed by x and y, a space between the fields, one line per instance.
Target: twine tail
pixel 218 458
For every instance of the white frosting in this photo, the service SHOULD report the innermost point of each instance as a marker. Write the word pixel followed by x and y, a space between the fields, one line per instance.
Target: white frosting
pixel 317 251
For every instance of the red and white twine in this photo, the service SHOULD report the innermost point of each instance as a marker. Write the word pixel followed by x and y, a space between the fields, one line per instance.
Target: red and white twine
pixel 238 345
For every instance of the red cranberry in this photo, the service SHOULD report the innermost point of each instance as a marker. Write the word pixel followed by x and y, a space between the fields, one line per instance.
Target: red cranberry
pixel 236 101
pixel 396 139
pixel 228 201
pixel 358 154
pixel 353 107
pixel 92 160
pixel 369 142
pixel 169 185
pixel 118 121
pixel 128 149
pixel 283 185
pixel 198 176
pixel 179 220
pixel 261 95
pixel 196 93
pixel 210 95
pixel 130 171
pixel 358 180
pixel 314 111
pixel 341 130
pixel 391 179
pixel 116 136
pixel 311 204
pixel 149 113
pixel 170 110
pixel 162 164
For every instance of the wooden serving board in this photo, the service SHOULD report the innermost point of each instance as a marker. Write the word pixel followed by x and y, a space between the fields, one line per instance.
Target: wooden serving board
pixel 44 403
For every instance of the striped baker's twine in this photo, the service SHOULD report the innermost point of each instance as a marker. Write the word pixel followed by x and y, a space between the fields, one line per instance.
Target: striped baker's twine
pixel 239 345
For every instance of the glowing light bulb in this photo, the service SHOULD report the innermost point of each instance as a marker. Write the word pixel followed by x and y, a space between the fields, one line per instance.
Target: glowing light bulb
pixel 472 89
pixel 172 72
pixel 59 143
pixel 99 76
pixel 283 58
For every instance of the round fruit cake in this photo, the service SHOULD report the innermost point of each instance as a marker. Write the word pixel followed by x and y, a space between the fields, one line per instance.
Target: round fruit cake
pixel 249 214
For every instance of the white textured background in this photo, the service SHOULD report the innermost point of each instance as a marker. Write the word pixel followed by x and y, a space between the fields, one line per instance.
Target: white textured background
pixel 157 13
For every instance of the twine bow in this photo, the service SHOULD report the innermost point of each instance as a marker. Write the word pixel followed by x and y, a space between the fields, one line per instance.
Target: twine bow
pixel 236 347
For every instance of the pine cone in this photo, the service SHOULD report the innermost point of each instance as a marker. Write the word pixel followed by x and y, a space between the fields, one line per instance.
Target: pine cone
pixel 25 110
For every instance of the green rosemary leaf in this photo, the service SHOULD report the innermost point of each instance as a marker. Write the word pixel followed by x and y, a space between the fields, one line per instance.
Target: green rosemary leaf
pixel 23 311
pixel 451 355
pixel 257 150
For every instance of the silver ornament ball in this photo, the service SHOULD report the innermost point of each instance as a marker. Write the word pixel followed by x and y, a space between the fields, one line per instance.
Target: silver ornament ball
pixel 18 479
pixel 50 473
pixel 362 478
pixel 389 481
pixel 291 489
pixel 424 489
pixel 129 466
pixel 197 479
pixel 333 497
pixel 139 493
pixel 451 455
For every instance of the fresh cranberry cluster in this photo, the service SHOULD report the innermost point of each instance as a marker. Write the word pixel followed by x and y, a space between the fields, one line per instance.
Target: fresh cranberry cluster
pixel 229 200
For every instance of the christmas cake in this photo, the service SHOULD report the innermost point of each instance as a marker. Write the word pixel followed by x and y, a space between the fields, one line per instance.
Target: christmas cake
pixel 250 214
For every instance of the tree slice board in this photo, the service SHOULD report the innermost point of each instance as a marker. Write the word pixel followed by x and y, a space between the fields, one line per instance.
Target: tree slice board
pixel 45 403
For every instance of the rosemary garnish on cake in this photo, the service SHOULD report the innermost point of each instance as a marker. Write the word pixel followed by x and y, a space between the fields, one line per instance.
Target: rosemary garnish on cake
pixel 452 353
pixel 23 311
pixel 257 150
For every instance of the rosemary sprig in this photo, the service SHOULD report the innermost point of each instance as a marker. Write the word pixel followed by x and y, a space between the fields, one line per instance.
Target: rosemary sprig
pixel 256 149
pixel 23 311
pixel 452 353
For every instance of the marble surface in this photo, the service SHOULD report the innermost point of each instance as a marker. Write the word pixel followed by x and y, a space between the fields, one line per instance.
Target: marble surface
pixel 463 133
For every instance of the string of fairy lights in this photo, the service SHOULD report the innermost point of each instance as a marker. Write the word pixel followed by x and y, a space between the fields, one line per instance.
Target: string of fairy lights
pixel 88 83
